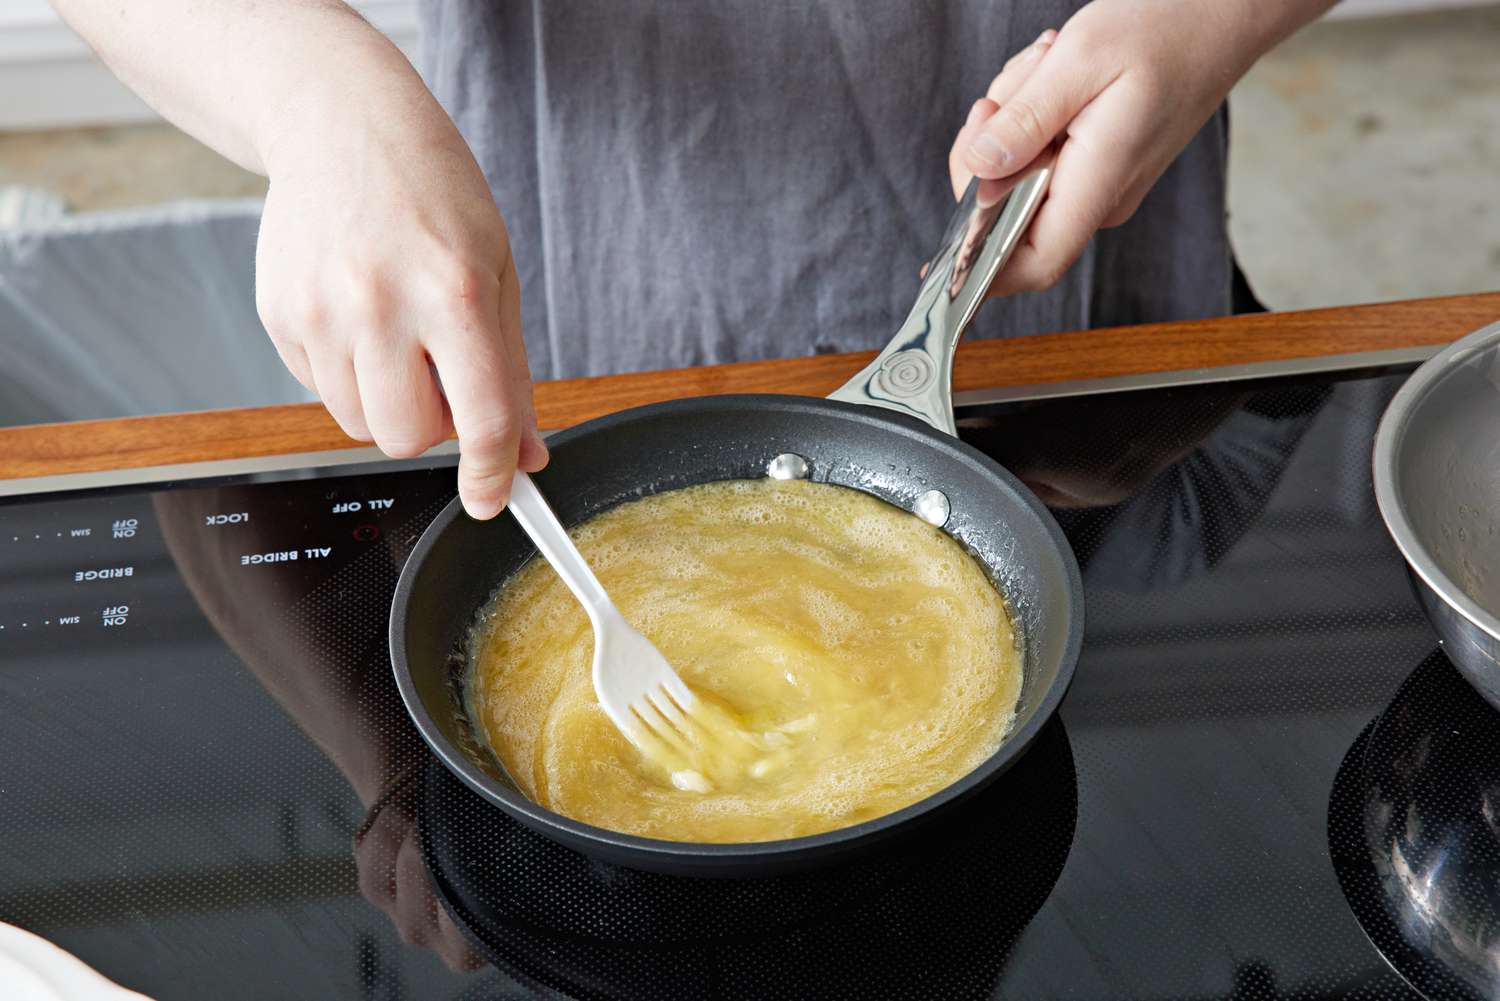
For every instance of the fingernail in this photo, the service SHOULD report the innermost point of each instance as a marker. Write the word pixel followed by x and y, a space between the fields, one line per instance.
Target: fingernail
pixel 987 148
pixel 1046 37
pixel 481 510
pixel 538 450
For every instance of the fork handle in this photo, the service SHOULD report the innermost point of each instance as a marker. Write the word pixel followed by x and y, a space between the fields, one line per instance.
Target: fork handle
pixel 539 521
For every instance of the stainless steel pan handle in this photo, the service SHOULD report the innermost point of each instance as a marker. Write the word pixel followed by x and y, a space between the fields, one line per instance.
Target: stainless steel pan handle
pixel 914 374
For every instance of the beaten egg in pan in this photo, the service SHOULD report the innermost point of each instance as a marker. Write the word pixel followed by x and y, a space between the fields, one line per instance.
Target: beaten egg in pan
pixel 849 660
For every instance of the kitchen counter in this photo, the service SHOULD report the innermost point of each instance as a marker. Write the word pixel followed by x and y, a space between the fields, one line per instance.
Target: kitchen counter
pixel 982 366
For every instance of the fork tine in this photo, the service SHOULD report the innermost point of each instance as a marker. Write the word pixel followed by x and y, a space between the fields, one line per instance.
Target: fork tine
pixel 639 730
pixel 675 718
pixel 646 736
pixel 663 702
pixel 679 692
pixel 659 726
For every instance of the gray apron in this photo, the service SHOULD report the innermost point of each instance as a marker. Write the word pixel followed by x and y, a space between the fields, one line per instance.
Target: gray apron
pixel 689 183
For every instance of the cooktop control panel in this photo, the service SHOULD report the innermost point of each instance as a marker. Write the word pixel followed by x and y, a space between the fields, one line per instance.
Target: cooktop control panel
pixel 88 565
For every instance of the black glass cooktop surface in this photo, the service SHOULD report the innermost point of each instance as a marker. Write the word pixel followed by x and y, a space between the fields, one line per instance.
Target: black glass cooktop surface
pixel 209 787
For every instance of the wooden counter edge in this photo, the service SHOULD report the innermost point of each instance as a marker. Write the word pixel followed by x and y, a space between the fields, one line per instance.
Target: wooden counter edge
pixel 86 446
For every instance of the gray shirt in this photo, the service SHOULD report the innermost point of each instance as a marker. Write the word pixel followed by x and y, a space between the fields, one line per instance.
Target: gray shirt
pixel 688 183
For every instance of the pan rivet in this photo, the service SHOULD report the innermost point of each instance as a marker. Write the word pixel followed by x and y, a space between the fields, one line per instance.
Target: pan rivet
pixel 788 466
pixel 932 507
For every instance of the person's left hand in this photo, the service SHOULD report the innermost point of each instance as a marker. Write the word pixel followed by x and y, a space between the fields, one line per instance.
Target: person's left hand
pixel 1121 89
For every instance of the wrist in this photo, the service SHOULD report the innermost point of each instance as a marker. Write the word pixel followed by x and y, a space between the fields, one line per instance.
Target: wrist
pixel 334 112
pixel 1265 24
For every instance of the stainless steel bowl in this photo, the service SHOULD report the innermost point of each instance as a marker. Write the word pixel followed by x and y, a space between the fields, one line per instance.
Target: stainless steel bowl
pixel 1437 480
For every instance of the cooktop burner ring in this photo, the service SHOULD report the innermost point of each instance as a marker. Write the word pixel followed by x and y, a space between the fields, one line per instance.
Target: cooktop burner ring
pixel 503 903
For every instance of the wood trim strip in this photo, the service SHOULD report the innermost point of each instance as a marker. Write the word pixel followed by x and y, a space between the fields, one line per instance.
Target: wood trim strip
pixel 87 446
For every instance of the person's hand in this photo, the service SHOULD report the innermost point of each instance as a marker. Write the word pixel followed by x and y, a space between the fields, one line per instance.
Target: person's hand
pixel 1098 451
pixel 393 877
pixel 1118 92
pixel 383 260
pixel 344 706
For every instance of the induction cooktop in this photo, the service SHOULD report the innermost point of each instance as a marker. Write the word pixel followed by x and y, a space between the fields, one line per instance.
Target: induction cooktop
pixel 1266 781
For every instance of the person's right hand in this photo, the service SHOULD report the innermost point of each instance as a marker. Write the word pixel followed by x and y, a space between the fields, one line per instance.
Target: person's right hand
pixel 382 258
pixel 393 877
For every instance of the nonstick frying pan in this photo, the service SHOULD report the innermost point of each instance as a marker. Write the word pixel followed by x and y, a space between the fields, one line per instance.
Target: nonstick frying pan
pixel 889 432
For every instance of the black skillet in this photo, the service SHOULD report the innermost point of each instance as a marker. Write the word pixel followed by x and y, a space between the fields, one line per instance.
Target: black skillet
pixel 889 432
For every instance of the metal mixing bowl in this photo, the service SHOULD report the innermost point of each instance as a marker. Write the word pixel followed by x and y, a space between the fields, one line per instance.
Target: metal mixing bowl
pixel 1437 480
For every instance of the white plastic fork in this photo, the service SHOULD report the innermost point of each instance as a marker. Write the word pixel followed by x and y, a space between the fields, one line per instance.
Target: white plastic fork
pixel 634 683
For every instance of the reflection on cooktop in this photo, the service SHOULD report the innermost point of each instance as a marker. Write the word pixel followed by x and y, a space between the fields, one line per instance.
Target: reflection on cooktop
pixel 180 788
pixel 1414 834
pixel 941 908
